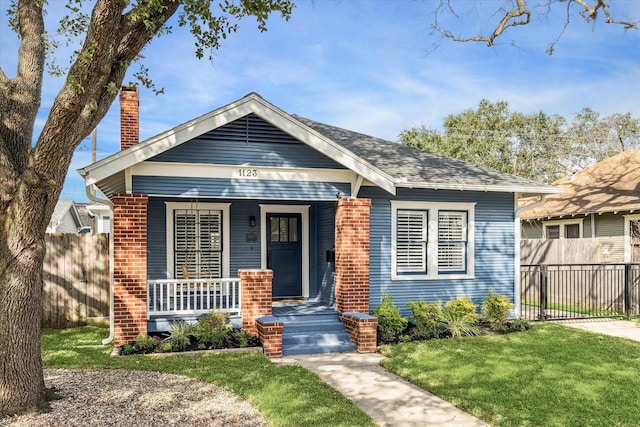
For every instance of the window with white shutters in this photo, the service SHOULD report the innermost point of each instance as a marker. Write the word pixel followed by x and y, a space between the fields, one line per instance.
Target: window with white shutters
pixel 452 241
pixel 198 243
pixel 411 241
pixel 197 240
pixel 432 240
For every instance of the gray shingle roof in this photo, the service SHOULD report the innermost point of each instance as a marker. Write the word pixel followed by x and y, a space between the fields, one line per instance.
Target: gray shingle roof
pixel 411 165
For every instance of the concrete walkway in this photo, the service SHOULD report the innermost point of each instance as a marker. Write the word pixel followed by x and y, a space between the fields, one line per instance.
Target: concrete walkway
pixel 393 401
pixel 387 398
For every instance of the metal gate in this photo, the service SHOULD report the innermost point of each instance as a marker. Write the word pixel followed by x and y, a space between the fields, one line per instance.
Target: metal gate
pixel 579 291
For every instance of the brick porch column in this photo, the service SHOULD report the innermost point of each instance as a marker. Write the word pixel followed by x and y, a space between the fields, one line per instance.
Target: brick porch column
pixel 255 297
pixel 129 266
pixel 352 255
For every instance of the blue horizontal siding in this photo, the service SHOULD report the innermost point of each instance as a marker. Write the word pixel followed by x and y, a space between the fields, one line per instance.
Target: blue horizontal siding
pixel 238 188
pixel 248 141
pixel 493 248
pixel 243 254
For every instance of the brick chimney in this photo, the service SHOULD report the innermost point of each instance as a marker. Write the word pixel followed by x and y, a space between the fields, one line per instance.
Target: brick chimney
pixel 129 121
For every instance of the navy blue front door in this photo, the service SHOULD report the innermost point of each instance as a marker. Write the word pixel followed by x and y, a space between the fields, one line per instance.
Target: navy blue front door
pixel 284 253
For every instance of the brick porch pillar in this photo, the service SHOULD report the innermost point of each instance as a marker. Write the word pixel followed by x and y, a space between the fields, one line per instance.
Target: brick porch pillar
pixel 352 255
pixel 255 297
pixel 129 266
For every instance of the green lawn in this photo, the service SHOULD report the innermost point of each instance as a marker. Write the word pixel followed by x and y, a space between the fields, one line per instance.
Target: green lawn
pixel 286 395
pixel 549 376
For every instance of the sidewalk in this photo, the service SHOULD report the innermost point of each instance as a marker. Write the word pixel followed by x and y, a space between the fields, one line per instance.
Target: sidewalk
pixel 615 328
pixel 387 398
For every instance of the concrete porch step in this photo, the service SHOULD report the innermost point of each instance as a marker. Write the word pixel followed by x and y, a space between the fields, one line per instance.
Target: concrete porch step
pixel 314 333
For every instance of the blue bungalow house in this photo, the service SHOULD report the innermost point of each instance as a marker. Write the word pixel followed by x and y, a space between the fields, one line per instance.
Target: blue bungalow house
pixel 280 220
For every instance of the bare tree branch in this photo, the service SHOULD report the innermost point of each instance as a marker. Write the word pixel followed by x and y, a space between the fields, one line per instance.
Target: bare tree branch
pixel 520 15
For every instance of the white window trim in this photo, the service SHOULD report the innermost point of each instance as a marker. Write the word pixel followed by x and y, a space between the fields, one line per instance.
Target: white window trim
pixel 627 235
pixel 432 239
pixel 561 223
pixel 303 210
pixel 224 207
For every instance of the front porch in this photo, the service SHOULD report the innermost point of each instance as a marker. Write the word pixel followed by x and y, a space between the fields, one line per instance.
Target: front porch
pixel 284 327
pixel 144 302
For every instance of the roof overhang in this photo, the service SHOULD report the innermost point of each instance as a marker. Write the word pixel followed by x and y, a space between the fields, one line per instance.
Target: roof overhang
pixel 107 168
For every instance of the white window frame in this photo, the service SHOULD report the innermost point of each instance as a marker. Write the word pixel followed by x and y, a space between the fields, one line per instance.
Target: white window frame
pixel 562 223
pixel 172 206
pixel 627 235
pixel 432 210
pixel 303 210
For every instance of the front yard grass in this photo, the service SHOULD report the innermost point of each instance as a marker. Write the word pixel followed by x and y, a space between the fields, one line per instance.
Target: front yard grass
pixel 286 395
pixel 549 376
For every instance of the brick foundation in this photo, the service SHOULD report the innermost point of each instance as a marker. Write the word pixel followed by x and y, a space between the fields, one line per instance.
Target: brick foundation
pixel 129 266
pixel 270 334
pixel 255 297
pixel 352 255
pixel 363 330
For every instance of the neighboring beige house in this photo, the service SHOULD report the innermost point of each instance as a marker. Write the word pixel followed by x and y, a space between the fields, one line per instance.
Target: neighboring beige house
pixel 600 202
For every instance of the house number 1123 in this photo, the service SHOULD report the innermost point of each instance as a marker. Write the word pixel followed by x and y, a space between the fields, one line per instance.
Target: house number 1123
pixel 248 173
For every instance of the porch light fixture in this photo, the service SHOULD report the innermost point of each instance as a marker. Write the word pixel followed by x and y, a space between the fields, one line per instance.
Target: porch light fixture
pixel 252 221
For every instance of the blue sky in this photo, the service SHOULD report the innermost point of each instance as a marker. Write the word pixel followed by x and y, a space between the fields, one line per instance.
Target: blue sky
pixel 371 66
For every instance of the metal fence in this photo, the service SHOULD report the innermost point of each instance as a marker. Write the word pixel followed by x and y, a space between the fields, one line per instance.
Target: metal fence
pixel 579 291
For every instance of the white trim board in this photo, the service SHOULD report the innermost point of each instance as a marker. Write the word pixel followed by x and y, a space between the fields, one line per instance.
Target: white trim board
pixel 303 210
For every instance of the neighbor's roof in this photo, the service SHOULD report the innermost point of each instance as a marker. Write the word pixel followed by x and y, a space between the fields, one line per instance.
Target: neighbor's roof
pixel 386 164
pixel 611 185
pixel 61 209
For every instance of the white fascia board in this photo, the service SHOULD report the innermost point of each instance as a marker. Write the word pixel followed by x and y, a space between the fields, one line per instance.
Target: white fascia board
pixel 248 173
pixel 542 189
pixel 317 141
pixel 252 103
pixel 166 140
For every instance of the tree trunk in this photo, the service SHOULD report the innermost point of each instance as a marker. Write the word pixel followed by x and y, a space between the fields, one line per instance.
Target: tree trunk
pixel 22 250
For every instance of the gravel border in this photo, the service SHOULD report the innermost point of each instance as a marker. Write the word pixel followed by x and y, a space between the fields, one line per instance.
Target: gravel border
pixel 106 397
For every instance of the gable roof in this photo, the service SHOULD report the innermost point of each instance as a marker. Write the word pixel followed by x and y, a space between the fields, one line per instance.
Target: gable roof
pixel 611 185
pixel 386 164
pixel 62 208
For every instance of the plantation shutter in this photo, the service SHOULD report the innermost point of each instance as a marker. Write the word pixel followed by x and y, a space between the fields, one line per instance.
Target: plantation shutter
pixel 411 241
pixel 198 243
pixel 452 241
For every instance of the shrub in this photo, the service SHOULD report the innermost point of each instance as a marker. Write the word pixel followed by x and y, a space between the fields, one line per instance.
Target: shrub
pixel 458 326
pixel 461 307
pixel 390 320
pixel 427 319
pixel 127 349
pixel 212 330
pixel 495 309
pixel 179 338
pixel 144 343
pixel 520 324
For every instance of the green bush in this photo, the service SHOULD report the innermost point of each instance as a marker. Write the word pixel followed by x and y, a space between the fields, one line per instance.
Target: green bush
pixel 127 349
pixel 144 343
pixel 495 309
pixel 520 324
pixel 426 318
pixel 458 326
pixel 212 330
pixel 462 307
pixel 179 335
pixel 390 320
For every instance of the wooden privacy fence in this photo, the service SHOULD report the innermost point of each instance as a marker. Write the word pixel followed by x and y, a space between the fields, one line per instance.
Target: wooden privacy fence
pixel 572 251
pixel 76 280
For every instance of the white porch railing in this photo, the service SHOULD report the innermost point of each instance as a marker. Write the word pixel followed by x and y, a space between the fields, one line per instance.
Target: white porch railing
pixel 192 296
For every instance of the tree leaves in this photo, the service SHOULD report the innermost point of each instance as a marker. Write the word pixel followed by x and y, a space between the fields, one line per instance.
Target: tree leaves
pixel 537 146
